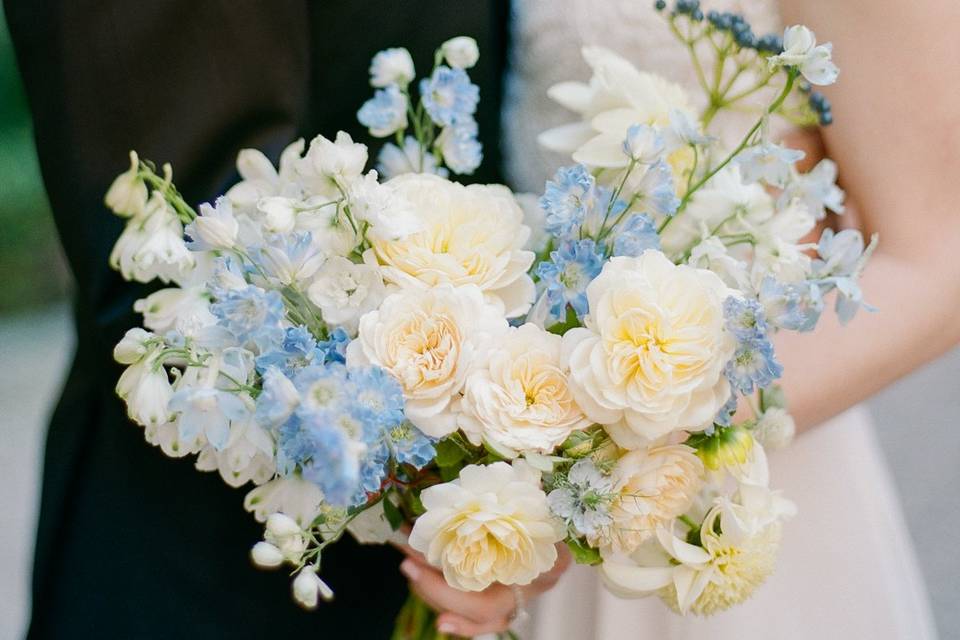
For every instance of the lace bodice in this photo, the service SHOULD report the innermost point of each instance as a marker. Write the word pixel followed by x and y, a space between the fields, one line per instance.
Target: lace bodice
pixel 547 37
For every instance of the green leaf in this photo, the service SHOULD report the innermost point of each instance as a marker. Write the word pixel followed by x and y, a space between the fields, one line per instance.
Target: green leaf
pixel 583 553
pixel 392 513
pixel 570 322
pixel 449 453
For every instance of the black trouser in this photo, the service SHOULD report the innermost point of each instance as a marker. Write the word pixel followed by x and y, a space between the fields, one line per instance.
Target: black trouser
pixel 132 544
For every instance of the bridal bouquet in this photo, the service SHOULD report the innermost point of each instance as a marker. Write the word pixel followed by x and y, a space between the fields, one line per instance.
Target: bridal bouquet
pixel 389 349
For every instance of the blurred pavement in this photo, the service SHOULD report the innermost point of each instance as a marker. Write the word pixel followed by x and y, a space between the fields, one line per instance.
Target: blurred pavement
pixel 917 424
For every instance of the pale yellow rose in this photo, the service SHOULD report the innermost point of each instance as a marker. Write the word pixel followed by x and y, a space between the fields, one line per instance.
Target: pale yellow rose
pixel 492 524
pixel 469 235
pixel 650 359
pixel 428 339
pixel 653 486
pixel 519 397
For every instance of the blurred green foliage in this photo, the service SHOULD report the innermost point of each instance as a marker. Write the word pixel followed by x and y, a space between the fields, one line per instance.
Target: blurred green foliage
pixel 32 269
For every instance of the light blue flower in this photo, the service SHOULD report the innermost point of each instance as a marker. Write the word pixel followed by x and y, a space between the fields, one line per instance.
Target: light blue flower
pixel 393 161
pixel 410 445
pixel 385 113
pixel 655 191
pixel 334 348
pixel 461 150
pixel 323 387
pixel 841 258
pixel 753 364
pixel 817 190
pixel 634 236
pixel 278 399
pixel 207 412
pixel 253 316
pixel 725 415
pixel 769 162
pixel 745 318
pixel 794 306
pixel 378 394
pixel 685 130
pixel 573 265
pixel 643 144
pixel 567 199
pixel 298 350
pixel 582 499
pixel 285 255
pixel 448 96
pixel 333 461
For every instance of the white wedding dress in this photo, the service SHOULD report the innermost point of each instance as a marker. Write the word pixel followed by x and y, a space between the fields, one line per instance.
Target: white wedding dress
pixel 847 569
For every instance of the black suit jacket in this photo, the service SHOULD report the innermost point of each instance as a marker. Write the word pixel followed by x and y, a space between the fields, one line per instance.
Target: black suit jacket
pixel 132 544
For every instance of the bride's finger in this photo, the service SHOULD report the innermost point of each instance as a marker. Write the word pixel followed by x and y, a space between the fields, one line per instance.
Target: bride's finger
pixel 457 625
pixel 493 604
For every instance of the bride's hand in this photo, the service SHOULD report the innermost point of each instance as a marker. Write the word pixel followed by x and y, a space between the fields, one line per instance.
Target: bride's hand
pixel 472 613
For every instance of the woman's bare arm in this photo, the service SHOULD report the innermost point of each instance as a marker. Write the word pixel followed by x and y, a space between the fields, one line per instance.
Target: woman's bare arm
pixel 896 139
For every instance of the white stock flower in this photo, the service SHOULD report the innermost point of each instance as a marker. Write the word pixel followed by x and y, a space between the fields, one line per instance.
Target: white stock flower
pixel 650 359
pixel 215 227
pixel 345 290
pixel 174 309
pixel 461 52
pixel 428 339
pixel 518 397
pixel 299 499
pixel 492 524
pixel 127 195
pixel 653 486
pixel 800 49
pixel 145 387
pixel 152 246
pixel 392 66
pixel 247 456
pixel 387 212
pixel 470 235
pixel 775 428
pixel 617 97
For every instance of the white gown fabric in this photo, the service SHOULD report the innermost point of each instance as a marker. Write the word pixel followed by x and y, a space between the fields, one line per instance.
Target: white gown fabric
pixel 847 568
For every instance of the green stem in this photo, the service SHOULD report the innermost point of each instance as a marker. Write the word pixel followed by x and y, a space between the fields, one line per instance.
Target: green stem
pixel 689 522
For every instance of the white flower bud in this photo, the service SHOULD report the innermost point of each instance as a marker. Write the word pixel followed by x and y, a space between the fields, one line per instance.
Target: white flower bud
pixel 132 347
pixel 307 587
pixel 266 555
pixel 280 525
pixel 127 196
pixel 391 66
pixel 461 52
pixel 775 428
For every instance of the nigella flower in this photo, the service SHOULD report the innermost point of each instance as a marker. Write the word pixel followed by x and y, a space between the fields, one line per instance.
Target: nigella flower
pixel 572 267
pixel 253 316
pixel 769 162
pixel 655 191
pixel 461 150
pixel 583 498
pixel 794 306
pixel 393 161
pixel 298 350
pixel 635 236
pixel 385 113
pixel 567 199
pixel 753 365
pixel 448 96
pixel 744 318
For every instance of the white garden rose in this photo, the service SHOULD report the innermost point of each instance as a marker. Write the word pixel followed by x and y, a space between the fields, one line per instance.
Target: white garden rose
pixel 469 235
pixel 650 359
pixel 428 339
pixel 492 524
pixel 519 397
pixel 653 486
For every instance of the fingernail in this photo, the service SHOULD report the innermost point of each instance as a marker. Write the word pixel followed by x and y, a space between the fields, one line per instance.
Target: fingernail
pixel 410 569
pixel 447 627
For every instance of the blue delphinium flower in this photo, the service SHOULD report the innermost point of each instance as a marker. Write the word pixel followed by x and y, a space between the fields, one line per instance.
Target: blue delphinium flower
pixel 461 150
pixel 841 258
pixel 745 318
pixel 298 350
pixel 334 348
pixel 448 96
pixel 725 415
pixel 769 162
pixel 583 498
pixel 253 316
pixel 634 236
pixel 385 113
pixel 378 394
pixel 334 463
pixel 410 445
pixel 393 161
pixel 795 306
pixel 323 387
pixel 567 199
pixel 278 399
pixel 655 191
pixel 572 266
pixel 753 365
pixel 286 255
pixel 207 412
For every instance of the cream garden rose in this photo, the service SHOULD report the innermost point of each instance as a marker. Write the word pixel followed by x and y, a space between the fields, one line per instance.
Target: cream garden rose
pixel 428 339
pixel 519 397
pixel 469 235
pixel 490 525
pixel 650 359
pixel 653 486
